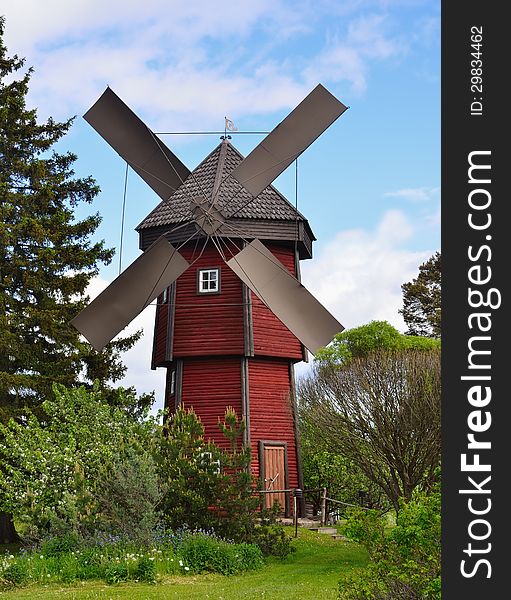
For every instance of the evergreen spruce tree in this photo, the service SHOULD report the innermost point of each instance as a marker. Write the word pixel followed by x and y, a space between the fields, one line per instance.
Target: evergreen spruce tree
pixel 47 257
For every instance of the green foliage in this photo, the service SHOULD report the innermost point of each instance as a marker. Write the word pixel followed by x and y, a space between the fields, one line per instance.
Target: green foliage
pixel 406 562
pixel 57 470
pixel 117 573
pixel 89 467
pixel 206 554
pixel 310 573
pixel 323 464
pixel 128 494
pixel 207 487
pixel 118 561
pixel 146 569
pixel 322 467
pixel 379 409
pixel 47 258
pixel 15 574
pixel 376 335
pixel 60 545
pixel 422 305
pixel 272 540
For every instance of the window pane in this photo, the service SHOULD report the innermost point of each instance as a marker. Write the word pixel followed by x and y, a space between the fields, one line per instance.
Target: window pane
pixel 209 280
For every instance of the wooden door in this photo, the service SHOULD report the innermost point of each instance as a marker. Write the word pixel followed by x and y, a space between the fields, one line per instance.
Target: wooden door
pixel 274 461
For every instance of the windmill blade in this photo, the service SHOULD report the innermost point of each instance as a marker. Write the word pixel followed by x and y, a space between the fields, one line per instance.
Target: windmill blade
pixel 137 144
pixel 288 140
pixel 285 296
pixel 130 293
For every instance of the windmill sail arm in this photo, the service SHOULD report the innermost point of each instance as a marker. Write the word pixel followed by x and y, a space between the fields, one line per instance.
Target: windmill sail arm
pixel 285 296
pixel 118 125
pixel 288 140
pixel 130 293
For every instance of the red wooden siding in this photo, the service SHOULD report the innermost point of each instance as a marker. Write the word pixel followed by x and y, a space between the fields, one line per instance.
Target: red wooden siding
pixel 160 333
pixel 271 416
pixel 210 386
pixel 208 324
pixel 271 336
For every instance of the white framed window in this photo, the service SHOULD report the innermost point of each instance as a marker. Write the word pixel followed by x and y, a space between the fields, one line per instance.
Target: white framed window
pixel 165 296
pixel 208 281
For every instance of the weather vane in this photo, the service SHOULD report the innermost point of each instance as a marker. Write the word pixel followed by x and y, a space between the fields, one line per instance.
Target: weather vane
pixel 229 126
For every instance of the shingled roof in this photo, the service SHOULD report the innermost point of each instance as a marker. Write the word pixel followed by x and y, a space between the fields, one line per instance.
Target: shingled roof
pixel 212 176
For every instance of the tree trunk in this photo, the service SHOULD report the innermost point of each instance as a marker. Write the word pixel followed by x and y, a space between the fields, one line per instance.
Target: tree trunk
pixel 8 534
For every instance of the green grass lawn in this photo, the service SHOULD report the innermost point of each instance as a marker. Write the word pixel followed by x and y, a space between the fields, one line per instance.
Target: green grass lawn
pixel 310 573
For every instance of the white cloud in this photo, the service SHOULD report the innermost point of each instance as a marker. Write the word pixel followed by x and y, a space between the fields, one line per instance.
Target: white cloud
pixel 358 275
pixel 185 64
pixel 348 57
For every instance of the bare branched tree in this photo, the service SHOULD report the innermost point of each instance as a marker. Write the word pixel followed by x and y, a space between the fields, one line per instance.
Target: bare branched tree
pixel 382 412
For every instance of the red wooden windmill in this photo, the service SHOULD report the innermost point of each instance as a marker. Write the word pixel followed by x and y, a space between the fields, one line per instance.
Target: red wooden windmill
pixel 232 316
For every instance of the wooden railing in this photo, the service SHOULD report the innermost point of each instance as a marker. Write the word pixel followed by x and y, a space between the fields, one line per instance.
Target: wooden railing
pixel 296 495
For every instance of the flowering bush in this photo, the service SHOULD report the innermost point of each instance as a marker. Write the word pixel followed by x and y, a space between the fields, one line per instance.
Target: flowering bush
pixel 55 471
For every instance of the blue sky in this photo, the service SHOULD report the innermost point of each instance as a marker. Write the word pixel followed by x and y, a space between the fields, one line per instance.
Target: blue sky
pixel 369 185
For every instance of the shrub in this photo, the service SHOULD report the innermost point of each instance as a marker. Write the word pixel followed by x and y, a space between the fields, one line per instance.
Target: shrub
pixel 57 469
pixel 250 556
pixel 406 562
pixel 203 553
pixel 146 569
pixel 60 545
pixel 15 574
pixel 272 540
pixel 128 494
pixel 116 573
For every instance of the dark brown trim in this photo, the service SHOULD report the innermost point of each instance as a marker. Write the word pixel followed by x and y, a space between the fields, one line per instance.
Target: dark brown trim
pixel 178 396
pixel 166 403
pixel 248 329
pixel 171 313
pixel 267 230
pixel 155 334
pixel 245 400
pixel 262 474
pixel 296 428
pixel 298 275
pixel 197 280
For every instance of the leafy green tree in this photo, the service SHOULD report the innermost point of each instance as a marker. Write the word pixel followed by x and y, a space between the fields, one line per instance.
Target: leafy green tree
pixel 376 335
pixel 47 258
pixel 326 461
pixel 58 469
pixel 422 309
